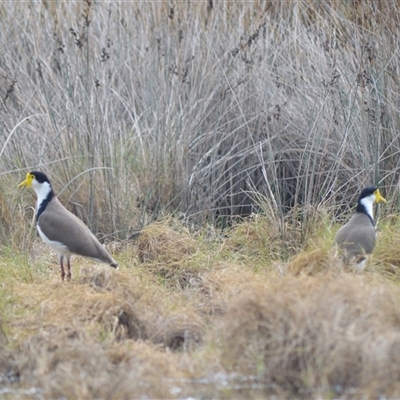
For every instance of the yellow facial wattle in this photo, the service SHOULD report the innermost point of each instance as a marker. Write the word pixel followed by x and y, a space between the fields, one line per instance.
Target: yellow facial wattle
pixel 378 197
pixel 28 180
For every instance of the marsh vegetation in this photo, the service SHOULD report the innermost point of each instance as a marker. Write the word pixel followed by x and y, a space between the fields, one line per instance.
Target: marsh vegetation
pixel 215 148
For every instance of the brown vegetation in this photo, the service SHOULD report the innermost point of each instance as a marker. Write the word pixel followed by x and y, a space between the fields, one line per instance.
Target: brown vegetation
pixel 240 326
pixel 214 147
pixel 203 109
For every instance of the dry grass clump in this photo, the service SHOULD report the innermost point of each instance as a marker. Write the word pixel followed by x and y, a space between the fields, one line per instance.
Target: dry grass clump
pixel 228 279
pixel 12 216
pixel 387 251
pixel 160 242
pixel 110 306
pixel 243 326
pixel 8 367
pixel 313 262
pixel 269 237
pixel 105 326
pixel 263 238
pixel 182 331
pixel 63 363
pixel 224 281
pixel 305 334
pixel 167 248
pixel 107 314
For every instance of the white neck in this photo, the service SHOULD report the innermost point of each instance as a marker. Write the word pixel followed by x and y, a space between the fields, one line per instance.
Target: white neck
pixel 42 191
pixel 368 203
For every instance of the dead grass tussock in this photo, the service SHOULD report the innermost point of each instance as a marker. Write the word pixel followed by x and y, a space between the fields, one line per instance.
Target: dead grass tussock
pixel 217 287
pixel 8 366
pixel 11 215
pixel 227 277
pixel 108 305
pixel 387 251
pixel 171 252
pixel 265 238
pixel 140 373
pixel 258 237
pixel 181 331
pixel 76 307
pixel 106 327
pixel 165 241
pixel 318 230
pixel 64 363
pixel 308 332
pixel 314 328
pixel 316 261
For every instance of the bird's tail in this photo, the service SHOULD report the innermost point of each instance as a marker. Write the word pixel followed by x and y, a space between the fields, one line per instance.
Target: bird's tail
pixel 114 265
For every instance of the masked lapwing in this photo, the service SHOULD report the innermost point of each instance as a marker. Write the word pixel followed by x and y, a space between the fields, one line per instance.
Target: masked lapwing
pixel 357 237
pixel 60 229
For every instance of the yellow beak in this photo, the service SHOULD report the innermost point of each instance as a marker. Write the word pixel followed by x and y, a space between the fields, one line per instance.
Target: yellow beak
pixel 378 197
pixel 28 180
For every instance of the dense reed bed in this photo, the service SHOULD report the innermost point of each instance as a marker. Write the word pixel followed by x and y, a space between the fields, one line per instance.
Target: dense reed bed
pixel 202 109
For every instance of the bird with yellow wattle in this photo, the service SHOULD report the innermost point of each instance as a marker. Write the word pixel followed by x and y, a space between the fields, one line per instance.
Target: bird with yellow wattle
pixel 64 232
pixel 357 237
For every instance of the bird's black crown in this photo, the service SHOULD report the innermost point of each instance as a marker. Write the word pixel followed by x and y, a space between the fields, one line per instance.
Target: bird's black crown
pixel 368 191
pixel 40 176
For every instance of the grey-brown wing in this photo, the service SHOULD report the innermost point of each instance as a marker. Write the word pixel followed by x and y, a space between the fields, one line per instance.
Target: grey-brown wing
pixel 358 236
pixel 58 224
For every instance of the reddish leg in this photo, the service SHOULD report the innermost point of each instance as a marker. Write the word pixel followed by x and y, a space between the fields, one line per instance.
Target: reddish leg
pixel 69 269
pixel 62 268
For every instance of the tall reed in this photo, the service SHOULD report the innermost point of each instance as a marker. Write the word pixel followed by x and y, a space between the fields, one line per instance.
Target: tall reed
pixel 200 109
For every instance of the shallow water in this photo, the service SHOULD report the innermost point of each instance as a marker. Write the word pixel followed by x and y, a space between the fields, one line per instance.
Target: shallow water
pixel 10 392
pixel 218 385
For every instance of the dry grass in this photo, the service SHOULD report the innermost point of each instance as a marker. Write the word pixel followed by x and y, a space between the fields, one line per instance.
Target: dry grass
pixel 161 123
pixel 302 327
pixel 161 243
pixel 300 334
